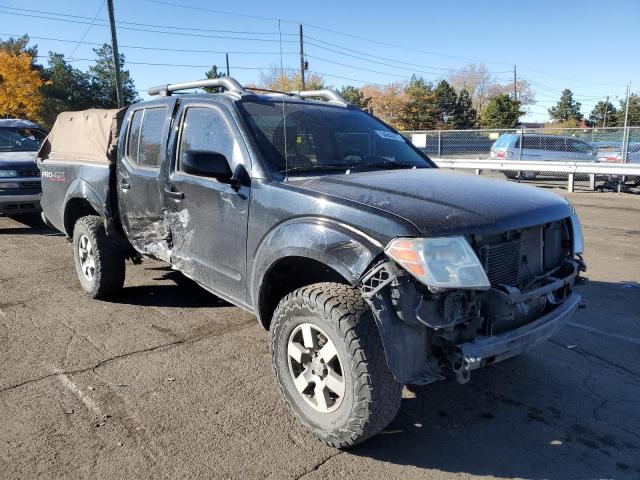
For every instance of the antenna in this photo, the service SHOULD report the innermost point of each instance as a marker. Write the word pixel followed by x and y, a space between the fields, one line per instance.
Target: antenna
pixel 284 116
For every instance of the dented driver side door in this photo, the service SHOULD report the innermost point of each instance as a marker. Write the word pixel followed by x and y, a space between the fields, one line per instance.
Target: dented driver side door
pixel 207 218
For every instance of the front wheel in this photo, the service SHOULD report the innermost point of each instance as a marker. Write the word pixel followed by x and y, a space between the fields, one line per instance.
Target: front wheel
pixel 99 260
pixel 330 364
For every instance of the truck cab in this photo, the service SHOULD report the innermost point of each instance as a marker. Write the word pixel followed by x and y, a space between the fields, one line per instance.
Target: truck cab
pixel 368 265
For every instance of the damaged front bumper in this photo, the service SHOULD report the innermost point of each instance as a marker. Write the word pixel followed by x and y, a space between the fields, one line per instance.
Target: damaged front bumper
pixel 488 350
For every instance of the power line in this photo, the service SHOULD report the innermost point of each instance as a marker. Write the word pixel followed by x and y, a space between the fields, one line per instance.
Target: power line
pixel 86 32
pixel 151 31
pixel 161 49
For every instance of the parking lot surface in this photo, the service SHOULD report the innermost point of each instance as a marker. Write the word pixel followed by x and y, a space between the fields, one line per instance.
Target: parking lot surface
pixel 167 381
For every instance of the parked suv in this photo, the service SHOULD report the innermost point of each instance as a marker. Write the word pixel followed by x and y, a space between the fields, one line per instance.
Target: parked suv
pixel 369 266
pixel 19 175
pixel 539 147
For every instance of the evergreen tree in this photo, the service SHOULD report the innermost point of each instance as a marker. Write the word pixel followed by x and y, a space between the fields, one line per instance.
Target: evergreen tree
pixel 566 108
pixel 597 115
pixel 420 112
pixel 634 111
pixel 355 97
pixel 103 80
pixel 466 115
pixel 447 105
pixel 211 75
pixel 500 112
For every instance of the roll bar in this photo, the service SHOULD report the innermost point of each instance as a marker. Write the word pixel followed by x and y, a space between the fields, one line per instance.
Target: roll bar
pixel 329 95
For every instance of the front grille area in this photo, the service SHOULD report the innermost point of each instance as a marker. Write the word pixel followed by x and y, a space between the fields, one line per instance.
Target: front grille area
pixel 31 172
pixel 501 261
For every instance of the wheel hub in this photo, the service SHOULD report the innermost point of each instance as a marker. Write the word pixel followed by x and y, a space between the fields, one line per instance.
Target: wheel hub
pixel 86 256
pixel 316 368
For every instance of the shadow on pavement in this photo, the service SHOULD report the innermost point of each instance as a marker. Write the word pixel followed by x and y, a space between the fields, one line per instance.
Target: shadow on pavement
pixel 28 224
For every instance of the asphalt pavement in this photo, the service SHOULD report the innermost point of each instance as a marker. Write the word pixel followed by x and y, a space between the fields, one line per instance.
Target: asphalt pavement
pixel 167 381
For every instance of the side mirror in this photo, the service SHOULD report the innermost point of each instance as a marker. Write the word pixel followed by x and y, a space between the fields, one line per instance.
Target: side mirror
pixel 205 163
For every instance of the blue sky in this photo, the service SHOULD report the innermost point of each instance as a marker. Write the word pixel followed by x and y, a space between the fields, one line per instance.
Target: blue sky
pixel 591 47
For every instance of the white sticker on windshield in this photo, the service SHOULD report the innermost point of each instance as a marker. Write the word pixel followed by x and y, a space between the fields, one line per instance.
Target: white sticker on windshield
pixel 390 135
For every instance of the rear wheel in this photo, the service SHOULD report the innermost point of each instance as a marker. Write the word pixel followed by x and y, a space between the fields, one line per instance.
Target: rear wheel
pixel 99 261
pixel 330 365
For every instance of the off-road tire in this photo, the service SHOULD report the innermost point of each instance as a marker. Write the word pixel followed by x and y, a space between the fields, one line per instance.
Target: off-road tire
pixel 372 397
pixel 109 259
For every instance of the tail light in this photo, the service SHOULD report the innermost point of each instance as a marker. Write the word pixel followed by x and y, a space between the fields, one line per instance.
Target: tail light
pixel 611 159
pixel 500 154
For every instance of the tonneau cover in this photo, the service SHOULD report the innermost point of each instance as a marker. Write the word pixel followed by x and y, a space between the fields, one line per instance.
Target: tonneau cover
pixel 86 136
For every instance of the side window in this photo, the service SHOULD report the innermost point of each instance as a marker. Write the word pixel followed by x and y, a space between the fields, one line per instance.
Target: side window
pixel 134 136
pixel 531 142
pixel 578 146
pixel 151 137
pixel 555 144
pixel 205 129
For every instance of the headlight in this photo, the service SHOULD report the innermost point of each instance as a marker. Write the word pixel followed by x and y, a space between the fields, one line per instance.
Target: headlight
pixel 445 262
pixel 8 173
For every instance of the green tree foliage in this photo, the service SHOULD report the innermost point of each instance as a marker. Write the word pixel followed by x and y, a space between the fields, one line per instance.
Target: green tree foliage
pixel 355 97
pixel 634 111
pixel 103 80
pixel 66 88
pixel 597 115
pixel 420 110
pixel 212 74
pixel 566 108
pixel 466 115
pixel 500 112
pixel 446 101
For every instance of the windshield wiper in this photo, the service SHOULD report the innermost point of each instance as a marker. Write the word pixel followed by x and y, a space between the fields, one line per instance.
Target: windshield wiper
pixel 320 167
pixel 387 164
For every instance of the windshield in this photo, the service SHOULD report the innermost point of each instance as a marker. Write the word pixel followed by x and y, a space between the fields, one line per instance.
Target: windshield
pixel 322 138
pixel 20 139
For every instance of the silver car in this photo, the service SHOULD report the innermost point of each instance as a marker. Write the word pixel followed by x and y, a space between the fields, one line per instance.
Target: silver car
pixel 540 147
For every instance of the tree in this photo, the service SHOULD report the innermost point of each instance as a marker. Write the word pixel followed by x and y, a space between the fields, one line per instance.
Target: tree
pixel 634 111
pixel 16 46
pixel 446 101
pixel 20 85
pixel 500 112
pixel 280 81
pixel 420 111
pixel 597 115
pixel 475 79
pixel 355 97
pixel 466 115
pixel 566 108
pixel 103 80
pixel 66 88
pixel 387 102
pixel 212 74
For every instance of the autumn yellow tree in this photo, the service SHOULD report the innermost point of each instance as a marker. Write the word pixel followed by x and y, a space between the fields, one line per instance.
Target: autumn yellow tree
pixel 287 80
pixel 20 84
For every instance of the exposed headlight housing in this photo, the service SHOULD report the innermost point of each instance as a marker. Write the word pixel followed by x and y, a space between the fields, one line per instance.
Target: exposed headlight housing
pixel 576 234
pixel 8 173
pixel 441 262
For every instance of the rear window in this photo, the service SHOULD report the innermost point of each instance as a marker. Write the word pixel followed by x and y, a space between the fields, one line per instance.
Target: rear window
pixel 578 146
pixel 503 141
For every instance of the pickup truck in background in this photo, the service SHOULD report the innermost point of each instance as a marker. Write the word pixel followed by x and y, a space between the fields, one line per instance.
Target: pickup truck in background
pixel 19 175
pixel 369 266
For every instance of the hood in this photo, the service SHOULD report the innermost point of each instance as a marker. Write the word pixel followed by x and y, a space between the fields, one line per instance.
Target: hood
pixel 19 158
pixel 440 202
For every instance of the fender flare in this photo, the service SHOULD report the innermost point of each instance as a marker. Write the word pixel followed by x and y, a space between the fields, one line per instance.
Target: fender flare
pixel 339 246
pixel 79 189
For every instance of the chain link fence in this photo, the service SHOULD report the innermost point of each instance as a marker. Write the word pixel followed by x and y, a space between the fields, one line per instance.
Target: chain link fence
pixel 614 145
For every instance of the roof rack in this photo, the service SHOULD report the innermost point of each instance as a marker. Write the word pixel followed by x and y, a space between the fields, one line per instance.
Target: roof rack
pixel 228 83
pixel 329 95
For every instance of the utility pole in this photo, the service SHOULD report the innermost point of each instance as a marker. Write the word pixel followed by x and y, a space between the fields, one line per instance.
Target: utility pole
pixel 515 85
pixel 301 58
pixel 606 108
pixel 116 55
pixel 227 56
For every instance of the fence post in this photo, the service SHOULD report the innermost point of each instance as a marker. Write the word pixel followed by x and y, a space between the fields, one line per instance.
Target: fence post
pixel 592 181
pixel 439 143
pixel 571 183
pixel 520 152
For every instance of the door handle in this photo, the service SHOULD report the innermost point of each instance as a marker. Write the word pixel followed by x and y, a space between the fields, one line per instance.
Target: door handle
pixel 173 194
pixel 124 184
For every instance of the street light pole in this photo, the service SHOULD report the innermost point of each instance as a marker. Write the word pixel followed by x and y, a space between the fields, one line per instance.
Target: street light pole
pixel 116 55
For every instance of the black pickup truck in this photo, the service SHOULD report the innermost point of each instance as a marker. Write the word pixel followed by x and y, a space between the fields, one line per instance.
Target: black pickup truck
pixel 370 267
